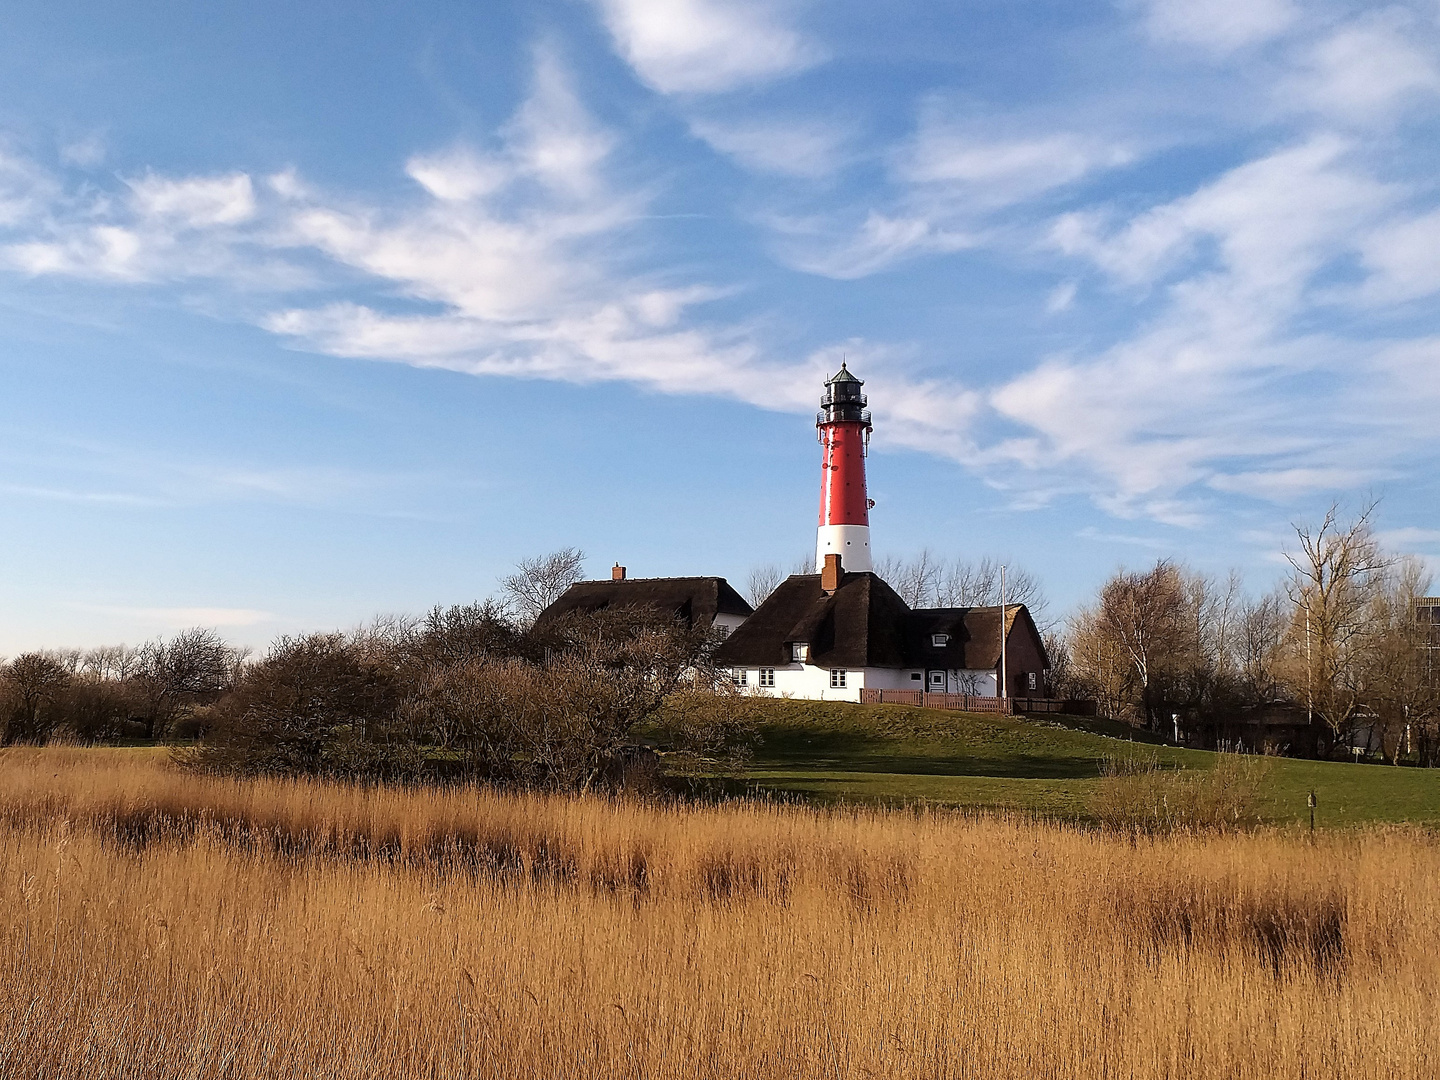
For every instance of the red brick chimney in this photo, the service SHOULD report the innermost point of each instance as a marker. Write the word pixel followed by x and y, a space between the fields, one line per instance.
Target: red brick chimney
pixel 830 574
pixel 617 572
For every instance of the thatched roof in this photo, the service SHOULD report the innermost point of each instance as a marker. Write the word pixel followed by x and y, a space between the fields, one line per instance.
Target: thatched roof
pixel 694 600
pixel 865 623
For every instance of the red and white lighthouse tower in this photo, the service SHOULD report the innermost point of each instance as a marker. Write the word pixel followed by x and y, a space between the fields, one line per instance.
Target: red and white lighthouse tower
pixel 844 425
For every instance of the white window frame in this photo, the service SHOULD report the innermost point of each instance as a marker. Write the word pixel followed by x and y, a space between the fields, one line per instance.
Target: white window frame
pixel 837 678
pixel 739 676
pixel 722 630
pixel 765 677
pixel 799 652
pixel 939 641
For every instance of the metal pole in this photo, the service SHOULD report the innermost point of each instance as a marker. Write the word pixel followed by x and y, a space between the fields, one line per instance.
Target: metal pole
pixel 1004 678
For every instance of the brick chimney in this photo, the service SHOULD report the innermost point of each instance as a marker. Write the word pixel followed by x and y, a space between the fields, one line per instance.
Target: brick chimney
pixel 617 572
pixel 830 574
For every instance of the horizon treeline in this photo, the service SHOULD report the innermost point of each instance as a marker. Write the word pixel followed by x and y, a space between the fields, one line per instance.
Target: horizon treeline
pixel 1340 644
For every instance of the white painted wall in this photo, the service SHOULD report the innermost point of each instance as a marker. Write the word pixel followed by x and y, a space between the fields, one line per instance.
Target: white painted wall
pixel 813 683
pixel 732 621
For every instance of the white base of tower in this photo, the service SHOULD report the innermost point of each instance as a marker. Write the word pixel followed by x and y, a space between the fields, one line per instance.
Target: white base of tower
pixel 850 542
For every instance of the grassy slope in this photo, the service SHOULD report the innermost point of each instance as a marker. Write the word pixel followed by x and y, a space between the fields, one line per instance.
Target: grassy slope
pixel 895 753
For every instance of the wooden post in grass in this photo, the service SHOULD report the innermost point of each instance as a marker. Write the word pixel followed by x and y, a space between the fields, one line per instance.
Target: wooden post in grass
pixel 1311 801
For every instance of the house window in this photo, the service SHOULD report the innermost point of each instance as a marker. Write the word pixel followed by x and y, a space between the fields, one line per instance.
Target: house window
pixel 837 679
pixel 937 681
pixel 939 640
pixel 738 676
pixel 799 651
pixel 1032 680
pixel 915 676
pixel 766 676
pixel 722 631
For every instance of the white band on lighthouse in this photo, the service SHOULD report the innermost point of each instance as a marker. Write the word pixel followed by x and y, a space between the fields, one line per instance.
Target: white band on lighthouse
pixel 850 542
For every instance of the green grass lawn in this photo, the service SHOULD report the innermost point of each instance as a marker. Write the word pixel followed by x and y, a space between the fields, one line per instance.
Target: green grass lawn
pixel 900 754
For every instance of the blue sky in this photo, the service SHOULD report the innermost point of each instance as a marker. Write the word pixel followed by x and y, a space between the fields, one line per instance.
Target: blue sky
pixel 314 311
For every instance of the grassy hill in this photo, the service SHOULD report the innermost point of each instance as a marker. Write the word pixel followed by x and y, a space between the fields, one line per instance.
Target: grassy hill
pixel 899 754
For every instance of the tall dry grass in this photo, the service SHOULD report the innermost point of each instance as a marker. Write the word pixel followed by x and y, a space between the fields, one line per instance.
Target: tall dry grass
pixel 163 924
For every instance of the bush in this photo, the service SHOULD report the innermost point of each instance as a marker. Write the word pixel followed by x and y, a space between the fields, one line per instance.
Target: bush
pixel 1139 794
pixel 709 730
pixel 312 706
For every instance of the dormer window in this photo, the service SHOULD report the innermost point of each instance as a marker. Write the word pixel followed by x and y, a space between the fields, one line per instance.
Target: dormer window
pixel 799 652
pixel 939 640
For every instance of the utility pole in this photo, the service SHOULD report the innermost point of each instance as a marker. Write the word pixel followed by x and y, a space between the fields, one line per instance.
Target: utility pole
pixel 1004 677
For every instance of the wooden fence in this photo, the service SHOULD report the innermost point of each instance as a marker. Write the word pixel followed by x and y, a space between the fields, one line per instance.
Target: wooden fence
pixel 976 702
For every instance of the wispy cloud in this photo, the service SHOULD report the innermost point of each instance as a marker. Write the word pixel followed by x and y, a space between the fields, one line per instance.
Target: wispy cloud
pixel 180 618
pixel 705 46
pixel 806 148
pixel 1219 25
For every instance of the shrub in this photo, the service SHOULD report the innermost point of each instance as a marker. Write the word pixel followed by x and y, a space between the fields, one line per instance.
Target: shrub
pixel 1138 793
pixel 312 706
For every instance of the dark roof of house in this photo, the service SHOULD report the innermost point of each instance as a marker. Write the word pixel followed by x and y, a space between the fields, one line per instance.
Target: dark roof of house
pixel 860 624
pixel 865 623
pixel 974 636
pixel 696 600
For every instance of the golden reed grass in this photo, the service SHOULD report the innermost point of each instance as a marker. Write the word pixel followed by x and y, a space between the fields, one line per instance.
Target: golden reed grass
pixel 159 924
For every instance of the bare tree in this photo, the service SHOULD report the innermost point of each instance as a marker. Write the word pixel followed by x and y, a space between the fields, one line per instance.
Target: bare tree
pixel 926 580
pixel 1146 616
pixel 194 666
pixel 1099 668
pixel 109 661
pixel 1259 646
pixel 539 582
pixel 763 581
pixel 1400 695
pixel 1336 577
pixel 30 685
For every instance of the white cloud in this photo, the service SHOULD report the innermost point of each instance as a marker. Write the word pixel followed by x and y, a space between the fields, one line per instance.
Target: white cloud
pixel 1368 68
pixel 1409 538
pixel 181 618
pixel 807 149
pixel 880 241
pixel 1403 260
pixel 1061 298
pixel 1273 220
pixel 103 251
pixel 1220 25
pixel 705 46
pixel 85 153
pixel 196 201
pixel 1000 172
pixel 25 189
pixel 1200 399
pixel 952 181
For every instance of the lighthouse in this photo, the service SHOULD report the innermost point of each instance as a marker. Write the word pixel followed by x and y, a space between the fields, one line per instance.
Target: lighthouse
pixel 844 427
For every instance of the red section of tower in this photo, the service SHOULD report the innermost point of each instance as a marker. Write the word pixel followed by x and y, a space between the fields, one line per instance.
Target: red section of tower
pixel 845 434
pixel 842 481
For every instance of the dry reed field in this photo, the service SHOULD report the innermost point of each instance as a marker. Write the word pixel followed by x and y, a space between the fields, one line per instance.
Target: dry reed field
pixel 162 924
